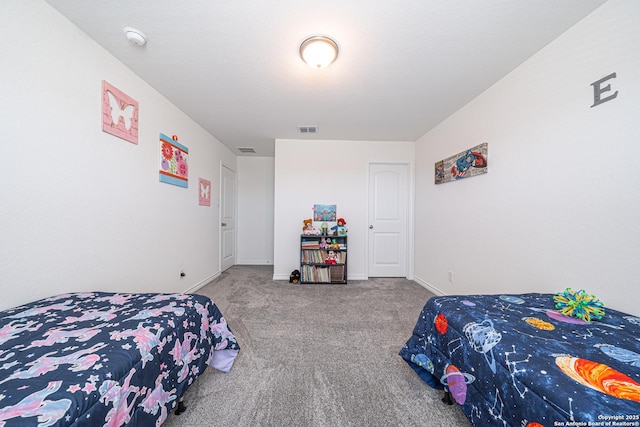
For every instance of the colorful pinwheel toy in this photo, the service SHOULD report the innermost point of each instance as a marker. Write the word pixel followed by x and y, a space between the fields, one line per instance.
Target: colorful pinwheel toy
pixel 579 304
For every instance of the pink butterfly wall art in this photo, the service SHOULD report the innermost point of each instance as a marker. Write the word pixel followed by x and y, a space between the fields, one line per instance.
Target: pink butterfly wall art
pixel 204 192
pixel 119 113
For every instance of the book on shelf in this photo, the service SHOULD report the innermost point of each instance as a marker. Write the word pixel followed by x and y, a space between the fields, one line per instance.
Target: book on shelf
pixel 310 244
pixel 323 274
pixel 319 256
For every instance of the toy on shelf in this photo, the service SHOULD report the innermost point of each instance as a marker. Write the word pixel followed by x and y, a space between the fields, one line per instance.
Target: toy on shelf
pixel 323 243
pixel 324 228
pixel 579 304
pixel 339 229
pixel 333 245
pixel 308 227
pixel 331 258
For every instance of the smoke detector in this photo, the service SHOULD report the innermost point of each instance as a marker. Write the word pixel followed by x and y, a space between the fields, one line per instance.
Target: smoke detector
pixel 136 37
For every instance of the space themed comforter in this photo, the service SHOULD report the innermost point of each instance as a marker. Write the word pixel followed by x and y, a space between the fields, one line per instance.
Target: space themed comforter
pixel 512 360
pixel 106 359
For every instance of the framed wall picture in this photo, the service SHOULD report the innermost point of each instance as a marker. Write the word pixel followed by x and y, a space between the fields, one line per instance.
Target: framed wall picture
pixel 471 162
pixel 119 113
pixel 204 192
pixel 174 162
pixel 324 212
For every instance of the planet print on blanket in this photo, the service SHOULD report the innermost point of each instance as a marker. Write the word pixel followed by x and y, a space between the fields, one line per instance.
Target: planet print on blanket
pixel 457 382
pixel 512 299
pixel 599 377
pixel 482 338
pixel 621 354
pixel 632 319
pixel 556 315
pixel 539 323
pixel 423 361
pixel 441 323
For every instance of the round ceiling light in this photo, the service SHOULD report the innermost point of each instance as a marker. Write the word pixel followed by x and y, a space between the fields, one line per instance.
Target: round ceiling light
pixel 136 37
pixel 319 51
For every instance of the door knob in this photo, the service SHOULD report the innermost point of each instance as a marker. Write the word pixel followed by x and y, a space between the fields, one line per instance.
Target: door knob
pixel 224 224
pixel 371 227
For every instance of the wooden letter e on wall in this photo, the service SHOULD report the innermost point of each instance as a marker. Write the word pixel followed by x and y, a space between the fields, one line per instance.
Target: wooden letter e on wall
pixel 598 90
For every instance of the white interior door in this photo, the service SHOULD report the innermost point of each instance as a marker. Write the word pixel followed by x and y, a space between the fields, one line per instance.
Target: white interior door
pixel 227 217
pixel 388 219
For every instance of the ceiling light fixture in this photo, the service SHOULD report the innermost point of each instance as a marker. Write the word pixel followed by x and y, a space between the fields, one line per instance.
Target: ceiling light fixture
pixel 136 37
pixel 319 51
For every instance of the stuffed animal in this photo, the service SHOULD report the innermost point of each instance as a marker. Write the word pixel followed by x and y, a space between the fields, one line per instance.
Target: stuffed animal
pixel 331 258
pixel 308 227
pixel 324 227
pixel 339 229
pixel 294 277
pixel 334 244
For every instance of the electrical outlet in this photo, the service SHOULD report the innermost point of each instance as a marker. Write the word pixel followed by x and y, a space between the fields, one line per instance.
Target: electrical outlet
pixel 450 275
pixel 181 273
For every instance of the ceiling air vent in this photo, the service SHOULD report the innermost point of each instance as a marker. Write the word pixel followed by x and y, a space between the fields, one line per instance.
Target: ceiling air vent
pixel 308 129
pixel 246 150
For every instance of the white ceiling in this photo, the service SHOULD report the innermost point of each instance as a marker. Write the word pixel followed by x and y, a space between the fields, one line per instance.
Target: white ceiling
pixel 403 66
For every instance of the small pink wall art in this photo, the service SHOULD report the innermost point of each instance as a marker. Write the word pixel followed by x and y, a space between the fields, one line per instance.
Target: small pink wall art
pixel 174 162
pixel 204 192
pixel 119 113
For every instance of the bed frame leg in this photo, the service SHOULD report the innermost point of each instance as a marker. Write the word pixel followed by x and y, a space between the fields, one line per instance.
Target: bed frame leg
pixel 447 398
pixel 181 407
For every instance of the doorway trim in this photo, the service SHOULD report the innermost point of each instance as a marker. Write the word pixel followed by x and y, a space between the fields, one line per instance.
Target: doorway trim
pixel 223 166
pixel 410 215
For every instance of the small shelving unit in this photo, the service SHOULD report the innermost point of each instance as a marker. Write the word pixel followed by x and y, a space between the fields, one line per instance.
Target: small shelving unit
pixel 323 259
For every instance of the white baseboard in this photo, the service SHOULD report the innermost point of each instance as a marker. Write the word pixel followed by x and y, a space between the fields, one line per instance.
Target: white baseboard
pixel 281 277
pixel 254 262
pixel 202 283
pixel 428 286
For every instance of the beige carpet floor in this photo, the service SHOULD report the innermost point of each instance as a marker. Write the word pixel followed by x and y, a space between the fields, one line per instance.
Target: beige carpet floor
pixel 315 355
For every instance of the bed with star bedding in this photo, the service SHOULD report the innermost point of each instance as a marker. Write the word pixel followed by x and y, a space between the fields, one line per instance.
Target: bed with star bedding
pixel 107 359
pixel 514 360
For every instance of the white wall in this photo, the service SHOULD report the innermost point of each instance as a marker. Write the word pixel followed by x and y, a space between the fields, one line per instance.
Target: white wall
pixel 326 172
pixel 81 209
pixel 255 210
pixel 560 206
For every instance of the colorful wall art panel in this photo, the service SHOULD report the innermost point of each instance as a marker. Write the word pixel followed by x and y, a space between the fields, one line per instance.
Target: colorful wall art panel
pixel 204 192
pixel 174 162
pixel 324 212
pixel 469 163
pixel 119 113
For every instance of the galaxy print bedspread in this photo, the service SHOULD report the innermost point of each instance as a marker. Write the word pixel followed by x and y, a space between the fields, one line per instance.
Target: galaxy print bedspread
pixel 511 360
pixel 105 359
